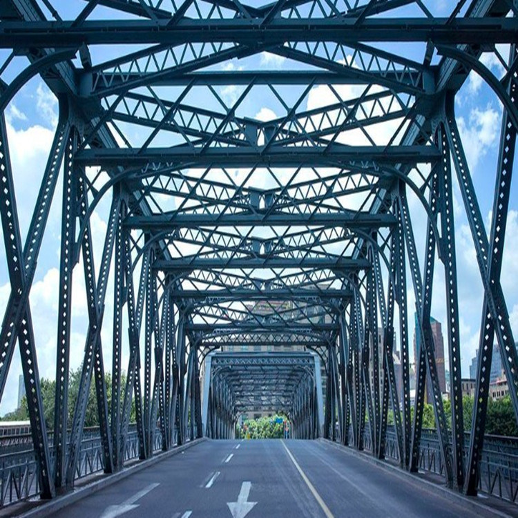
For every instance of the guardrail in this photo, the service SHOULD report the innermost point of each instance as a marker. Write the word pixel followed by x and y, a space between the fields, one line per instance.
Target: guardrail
pixel 19 470
pixel 498 466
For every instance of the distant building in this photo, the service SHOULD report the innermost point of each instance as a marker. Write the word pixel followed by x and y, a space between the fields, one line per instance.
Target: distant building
pixel 498 389
pixel 469 386
pixel 395 356
pixel 473 368
pixel 497 369
pixel 438 344
pixel 21 390
pixel 398 371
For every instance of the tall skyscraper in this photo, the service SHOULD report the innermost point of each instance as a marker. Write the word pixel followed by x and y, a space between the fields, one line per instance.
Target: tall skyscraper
pixel 438 344
pixel 438 341
pixel 497 369
pixel 21 390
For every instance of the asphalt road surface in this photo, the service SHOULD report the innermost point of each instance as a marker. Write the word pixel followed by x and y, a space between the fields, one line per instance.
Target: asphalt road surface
pixel 265 479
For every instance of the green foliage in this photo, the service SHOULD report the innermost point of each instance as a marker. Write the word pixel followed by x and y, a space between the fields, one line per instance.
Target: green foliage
pixel 20 414
pixel 48 390
pixel 263 428
pixel 500 417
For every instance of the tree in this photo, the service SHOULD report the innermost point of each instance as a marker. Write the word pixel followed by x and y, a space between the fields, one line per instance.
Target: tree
pixel 500 417
pixel 48 391
pixel 263 428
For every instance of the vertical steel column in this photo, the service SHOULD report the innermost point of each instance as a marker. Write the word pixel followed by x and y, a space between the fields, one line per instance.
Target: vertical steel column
pixel 95 317
pixel 197 395
pixel 333 395
pixel 13 246
pixel 337 392
pixel 343 348
pixel 93 345
pixel 424 332
pixel 495 317
pixel 180 358
pixel 69 213
pixel 118 302
pixel 401 297
pixel 355 341
pixel 135 312
pixel 168 378
pixel 373 325
pixel 157 406
pixel 445 199
pixel 149 426
pixel 390 382
pixel 188 407
pixel 327 417
pixel 157 397
pixel 348 406
pixel 368 339
pixel 159 372
pixel 19 298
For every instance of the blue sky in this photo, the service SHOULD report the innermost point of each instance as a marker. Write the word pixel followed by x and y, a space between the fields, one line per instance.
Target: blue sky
pixel 32 117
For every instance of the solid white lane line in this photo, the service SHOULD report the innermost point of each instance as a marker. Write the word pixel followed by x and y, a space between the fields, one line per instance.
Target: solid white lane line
pixel 314 492
pixel 229 457
pixel 140 494
pixel 237 447
pixel 212 479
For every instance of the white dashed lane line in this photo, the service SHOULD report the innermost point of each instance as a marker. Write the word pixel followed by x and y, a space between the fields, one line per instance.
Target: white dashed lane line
pixel 212 479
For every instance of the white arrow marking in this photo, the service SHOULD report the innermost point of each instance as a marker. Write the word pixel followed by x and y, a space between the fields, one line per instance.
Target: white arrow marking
pixel 241 508
pixel 116 510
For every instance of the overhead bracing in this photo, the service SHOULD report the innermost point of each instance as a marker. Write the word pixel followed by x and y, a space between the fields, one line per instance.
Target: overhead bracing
pixel 266 177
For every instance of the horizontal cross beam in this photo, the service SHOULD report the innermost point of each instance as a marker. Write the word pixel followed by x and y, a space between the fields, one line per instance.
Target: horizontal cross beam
pixel 263 327
pixel 50 34
pixel 240 343
pixel 160 223
pixel 277 156
pixel 258 262
pixel 291 77
pixel 262 293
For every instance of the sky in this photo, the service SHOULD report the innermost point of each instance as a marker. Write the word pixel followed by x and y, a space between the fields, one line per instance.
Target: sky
pixel 31 120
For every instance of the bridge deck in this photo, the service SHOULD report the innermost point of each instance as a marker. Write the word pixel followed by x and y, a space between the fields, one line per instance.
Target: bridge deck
pixel 299 479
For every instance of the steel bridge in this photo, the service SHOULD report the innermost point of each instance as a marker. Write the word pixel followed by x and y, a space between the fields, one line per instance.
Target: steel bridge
pixel 265 173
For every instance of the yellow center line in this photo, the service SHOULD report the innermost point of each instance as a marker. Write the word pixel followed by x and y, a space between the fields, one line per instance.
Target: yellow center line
pixel 314 492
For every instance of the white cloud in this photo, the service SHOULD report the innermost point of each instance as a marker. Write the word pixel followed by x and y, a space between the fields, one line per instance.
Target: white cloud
pixel 47 104
pixel 491 61
pixel 479 133
pixel 272 60
pixel 13 113
pixel 28 163
pixel 265 115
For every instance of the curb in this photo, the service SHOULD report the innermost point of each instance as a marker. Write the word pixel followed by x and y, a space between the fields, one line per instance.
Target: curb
pixel 59 502
pixel 430 486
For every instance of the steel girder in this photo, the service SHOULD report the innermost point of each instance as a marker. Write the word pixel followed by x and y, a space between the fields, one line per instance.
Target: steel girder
pixel 235 227
pixel 255 31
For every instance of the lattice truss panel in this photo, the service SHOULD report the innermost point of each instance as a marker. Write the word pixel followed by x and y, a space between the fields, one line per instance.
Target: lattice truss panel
pixel 263 161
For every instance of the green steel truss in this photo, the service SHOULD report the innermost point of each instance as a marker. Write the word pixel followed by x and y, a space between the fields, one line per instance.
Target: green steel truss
pixel 263 161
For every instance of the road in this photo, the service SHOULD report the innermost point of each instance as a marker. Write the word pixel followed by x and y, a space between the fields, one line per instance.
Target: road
pixel 265 479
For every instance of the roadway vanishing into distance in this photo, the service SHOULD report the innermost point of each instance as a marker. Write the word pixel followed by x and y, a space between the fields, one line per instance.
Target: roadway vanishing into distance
pixel 266 478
